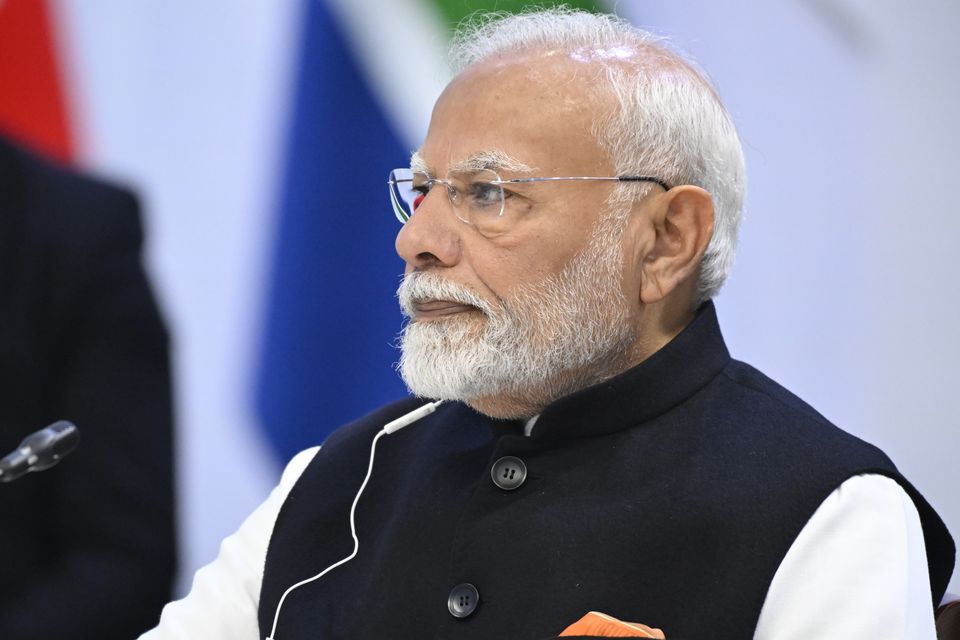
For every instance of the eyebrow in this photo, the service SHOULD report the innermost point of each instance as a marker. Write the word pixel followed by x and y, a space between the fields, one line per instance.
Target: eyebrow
pixel 418 164
pixel 494 160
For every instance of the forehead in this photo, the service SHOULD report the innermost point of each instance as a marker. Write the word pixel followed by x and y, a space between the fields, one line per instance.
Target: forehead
pixel 522 112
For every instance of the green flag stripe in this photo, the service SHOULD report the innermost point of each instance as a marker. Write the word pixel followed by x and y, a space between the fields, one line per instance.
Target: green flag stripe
pixel 453 12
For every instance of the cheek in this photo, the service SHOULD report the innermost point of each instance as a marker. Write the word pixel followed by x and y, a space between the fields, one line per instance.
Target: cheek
pixel 502 272
pixel 536 249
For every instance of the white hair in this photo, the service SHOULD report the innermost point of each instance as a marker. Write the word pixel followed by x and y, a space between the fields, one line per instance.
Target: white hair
pixel 669 122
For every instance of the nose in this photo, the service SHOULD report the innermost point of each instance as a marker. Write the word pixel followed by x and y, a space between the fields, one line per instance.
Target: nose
pixel 431 237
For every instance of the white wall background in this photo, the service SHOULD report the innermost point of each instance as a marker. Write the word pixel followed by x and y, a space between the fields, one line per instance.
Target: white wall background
pixel 844 285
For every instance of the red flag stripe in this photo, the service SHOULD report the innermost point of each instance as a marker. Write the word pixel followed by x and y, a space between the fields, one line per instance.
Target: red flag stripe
pixel 32 102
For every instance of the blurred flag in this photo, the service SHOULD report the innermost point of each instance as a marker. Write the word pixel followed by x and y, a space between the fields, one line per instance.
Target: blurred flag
pixel 33 109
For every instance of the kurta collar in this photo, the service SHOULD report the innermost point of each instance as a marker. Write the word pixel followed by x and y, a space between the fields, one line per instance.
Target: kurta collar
pixel 662 381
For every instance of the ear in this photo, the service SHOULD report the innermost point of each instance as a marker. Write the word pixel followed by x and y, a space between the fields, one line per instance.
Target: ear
pixel 683 224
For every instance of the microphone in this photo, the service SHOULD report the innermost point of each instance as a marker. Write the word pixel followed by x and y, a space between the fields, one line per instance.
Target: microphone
pixel 40 450
pixel 410 418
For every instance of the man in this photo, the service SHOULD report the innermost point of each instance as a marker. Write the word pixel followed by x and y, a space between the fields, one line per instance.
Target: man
pixel 89 547
pixel 568 218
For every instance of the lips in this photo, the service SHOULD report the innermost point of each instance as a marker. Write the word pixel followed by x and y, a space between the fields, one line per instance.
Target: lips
pixel 427 309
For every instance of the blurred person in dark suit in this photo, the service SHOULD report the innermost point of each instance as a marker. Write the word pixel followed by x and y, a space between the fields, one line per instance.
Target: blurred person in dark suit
pixel 88 548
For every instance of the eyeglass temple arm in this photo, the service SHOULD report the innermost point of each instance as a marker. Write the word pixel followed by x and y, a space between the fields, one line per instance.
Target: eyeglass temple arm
pixel 653 179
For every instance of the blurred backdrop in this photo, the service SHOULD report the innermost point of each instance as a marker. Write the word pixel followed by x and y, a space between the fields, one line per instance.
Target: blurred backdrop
pixel 259 134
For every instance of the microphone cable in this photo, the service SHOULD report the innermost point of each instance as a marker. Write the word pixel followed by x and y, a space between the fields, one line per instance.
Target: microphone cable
pixel 391 427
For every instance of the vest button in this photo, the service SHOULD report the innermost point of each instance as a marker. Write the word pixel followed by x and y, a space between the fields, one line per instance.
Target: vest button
pixel 463 600
pixel 508 473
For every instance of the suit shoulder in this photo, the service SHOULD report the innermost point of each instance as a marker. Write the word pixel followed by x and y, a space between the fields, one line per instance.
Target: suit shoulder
pixel 349 444
pixel 365 427
pixel 775 412
pixel 62 208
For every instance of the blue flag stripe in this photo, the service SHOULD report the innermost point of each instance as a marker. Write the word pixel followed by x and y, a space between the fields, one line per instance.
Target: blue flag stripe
pixel 332 318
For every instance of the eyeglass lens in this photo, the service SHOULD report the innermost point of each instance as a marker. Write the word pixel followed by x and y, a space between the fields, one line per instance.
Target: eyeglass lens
pixel 476 197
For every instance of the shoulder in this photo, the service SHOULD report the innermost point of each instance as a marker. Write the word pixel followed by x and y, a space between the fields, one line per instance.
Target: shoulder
pixel 358 433
pixel 781 446
pixel 61 209
pixel 335 469
pixel 779 421
pixel 860 562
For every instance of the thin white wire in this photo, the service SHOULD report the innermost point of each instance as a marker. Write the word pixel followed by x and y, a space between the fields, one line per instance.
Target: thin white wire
pixel 353 532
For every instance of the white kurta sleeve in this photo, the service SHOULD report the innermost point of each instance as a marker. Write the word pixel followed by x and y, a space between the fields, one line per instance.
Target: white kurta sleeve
pixel 857 570
pixel 222 603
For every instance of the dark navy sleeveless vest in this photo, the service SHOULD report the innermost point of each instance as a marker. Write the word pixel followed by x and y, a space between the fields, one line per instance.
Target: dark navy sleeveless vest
pixel 668 495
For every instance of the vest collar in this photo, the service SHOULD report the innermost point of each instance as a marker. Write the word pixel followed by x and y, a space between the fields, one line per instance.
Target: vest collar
pixel 662 381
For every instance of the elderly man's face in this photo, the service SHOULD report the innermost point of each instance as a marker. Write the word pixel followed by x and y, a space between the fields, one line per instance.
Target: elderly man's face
pixel 513 319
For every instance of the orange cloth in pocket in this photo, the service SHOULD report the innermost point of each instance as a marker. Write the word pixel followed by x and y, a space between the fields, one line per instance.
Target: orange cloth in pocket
pixel 600 624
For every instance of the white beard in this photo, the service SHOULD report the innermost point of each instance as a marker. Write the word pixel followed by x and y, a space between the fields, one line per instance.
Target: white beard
pixel 546 341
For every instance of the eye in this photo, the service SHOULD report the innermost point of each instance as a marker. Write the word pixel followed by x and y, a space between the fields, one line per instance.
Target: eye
pixel 484 194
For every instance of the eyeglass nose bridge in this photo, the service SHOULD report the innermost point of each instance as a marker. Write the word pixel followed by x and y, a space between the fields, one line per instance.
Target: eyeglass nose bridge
pixel 454 194
pixel 454 197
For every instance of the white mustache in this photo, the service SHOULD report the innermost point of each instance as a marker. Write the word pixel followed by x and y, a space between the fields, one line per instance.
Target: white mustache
pixel 421 286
